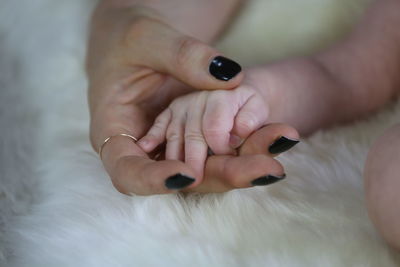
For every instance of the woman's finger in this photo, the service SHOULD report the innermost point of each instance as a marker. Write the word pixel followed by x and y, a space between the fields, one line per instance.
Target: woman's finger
pixel 156 45
pixel 142 176
pixel 271 140
pixel 132 171
pixel 225 172
pixel 254 166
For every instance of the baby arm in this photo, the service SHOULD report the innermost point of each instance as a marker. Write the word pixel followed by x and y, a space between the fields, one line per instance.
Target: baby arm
pixel 208 119
pixel 345 82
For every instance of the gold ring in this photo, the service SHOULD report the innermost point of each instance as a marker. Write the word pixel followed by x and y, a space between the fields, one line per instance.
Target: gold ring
pixel 109 138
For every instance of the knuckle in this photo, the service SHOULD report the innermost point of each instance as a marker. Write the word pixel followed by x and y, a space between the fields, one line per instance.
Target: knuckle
pixel 218 99
pixel 186 48
pixel 159 120
pixel 234 180
pixel 212 124
pixel 215 120
pixel 213 131
pixel 138 27
pixel 157 129
pixel 220 95
pixel 194 136
pixel 177 103
pixel 193 158
pixel 246 122
pixel 174 136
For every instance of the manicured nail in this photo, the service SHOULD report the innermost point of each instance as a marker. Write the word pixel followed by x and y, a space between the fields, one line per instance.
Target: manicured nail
pixel 281 145
pixel 266 180
pixel 178 181
pixel 143 143
pixel 224 69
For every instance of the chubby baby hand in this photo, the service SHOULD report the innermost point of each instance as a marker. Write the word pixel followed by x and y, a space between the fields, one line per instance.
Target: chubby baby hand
pixel 217 120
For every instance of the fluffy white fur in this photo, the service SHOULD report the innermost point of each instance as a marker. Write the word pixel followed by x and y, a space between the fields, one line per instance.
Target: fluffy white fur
pixel 58 207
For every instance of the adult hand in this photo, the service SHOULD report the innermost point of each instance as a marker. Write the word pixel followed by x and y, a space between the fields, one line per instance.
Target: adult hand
pixel 134 63
pixel 255 164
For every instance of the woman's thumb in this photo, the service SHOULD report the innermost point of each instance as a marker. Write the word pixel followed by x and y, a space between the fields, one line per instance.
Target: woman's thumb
pixel 159 47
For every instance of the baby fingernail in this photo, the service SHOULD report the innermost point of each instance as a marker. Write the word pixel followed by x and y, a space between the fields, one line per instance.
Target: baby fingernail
pixel 282 144
pixel 224 68
pixel 266 180
pixel 143 142
pixel 178 181
pixel 235 141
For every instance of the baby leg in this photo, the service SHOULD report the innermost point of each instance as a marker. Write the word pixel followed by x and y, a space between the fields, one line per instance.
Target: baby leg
pixel 382 184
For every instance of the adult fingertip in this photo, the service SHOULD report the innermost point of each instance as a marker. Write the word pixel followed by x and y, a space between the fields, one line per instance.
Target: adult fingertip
pixel 201 66
pixel 282 144
pixel 224 69
pixel 179 181
pixel 267 180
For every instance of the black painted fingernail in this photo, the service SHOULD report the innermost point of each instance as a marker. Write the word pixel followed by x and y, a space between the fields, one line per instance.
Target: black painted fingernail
pixel 281 145
pixel 266 180
pixel 224 69
pixel 178 181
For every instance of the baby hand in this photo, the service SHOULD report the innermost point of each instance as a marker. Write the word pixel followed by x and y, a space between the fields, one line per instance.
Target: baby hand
pixel 218 120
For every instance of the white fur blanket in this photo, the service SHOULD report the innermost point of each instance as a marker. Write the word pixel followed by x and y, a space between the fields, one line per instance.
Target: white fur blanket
pixel 58 207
